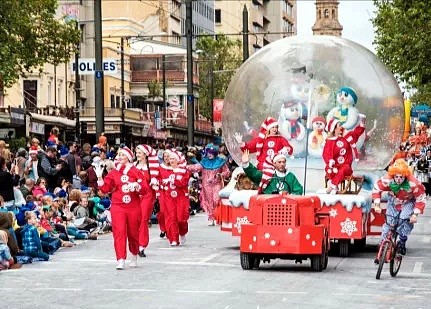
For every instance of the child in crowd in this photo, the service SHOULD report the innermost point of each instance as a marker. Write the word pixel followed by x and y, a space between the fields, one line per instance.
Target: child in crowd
pixel 40 187
pixel 31 243
pixel 81 212
pixel 6 259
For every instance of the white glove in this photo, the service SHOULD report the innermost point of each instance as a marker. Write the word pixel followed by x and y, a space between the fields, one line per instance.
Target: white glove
pixel 166 181
pixel 331 163
pixel 238 137
pixel 134 186
pixel 154 182
pixel 98 169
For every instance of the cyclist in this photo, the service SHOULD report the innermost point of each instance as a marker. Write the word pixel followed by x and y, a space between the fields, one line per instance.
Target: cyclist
pixel 405 194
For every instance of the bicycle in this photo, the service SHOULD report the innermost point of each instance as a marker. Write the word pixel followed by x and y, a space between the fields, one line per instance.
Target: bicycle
pixel 388 250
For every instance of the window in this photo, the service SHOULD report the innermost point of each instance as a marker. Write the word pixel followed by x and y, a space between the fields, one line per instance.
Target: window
pixel 82 28
pixel 218 16
pixel 326 13
pixel 333 14
pixel 117 102
pixel 49 93
pixel 112 101
pixel 30 94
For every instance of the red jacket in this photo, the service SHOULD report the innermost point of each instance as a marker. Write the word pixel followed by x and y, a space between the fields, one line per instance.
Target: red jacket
pixel 338 150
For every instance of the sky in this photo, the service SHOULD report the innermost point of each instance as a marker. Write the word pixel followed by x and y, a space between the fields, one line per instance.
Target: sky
pixel 354 16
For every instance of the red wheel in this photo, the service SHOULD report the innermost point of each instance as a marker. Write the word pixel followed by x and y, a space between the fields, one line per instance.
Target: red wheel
pixel 383 254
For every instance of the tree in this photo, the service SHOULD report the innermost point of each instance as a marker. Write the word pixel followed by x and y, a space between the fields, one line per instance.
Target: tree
pixel 403 43
pixel 219 57
pixel 30 36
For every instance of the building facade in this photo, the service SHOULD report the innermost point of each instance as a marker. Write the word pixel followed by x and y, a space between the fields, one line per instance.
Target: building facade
pixel 269 20
pixel 327 18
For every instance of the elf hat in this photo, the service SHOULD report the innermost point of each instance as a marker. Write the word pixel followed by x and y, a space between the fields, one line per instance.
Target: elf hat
pixel 332 124
pixel 147 150
pixel 319 119
pixel 174 154
pixel 127 152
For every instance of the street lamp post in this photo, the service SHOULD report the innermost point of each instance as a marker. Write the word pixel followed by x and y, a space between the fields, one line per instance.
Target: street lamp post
pixel 190 96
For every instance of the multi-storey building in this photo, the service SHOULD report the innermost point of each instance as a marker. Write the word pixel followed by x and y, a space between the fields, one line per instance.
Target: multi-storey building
pixel 327 18
pixel 269 19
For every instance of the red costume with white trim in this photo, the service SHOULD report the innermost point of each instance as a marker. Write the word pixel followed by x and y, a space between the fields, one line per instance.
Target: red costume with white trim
pixel 265 146
pixel 174 197
pixel 126 184
pixel 150 173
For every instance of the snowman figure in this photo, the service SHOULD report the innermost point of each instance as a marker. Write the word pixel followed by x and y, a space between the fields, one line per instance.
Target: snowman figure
pixel 317 137
pixel 346 112
pixel 291 127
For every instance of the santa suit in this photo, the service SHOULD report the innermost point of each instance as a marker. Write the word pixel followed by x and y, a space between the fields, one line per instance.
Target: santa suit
pixel 125 206
pixel 161 214
pixel 338 157
pixel 147 200
pixel 269 146
pixel 174 193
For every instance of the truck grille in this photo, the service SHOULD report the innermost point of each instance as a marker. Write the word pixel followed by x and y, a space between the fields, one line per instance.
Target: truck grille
pixel 279 215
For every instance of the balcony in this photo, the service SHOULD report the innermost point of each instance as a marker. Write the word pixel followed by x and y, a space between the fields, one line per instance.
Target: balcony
pixel 288 18
pixel 108 112
pixel 145 76
pixel 257 17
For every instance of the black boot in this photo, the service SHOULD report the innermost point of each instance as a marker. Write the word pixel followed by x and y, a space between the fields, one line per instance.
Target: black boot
pixel 142 253
pixel 162 234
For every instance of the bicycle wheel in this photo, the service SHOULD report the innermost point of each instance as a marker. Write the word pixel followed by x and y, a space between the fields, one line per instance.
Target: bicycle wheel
pixel 382 259
pixel 395 263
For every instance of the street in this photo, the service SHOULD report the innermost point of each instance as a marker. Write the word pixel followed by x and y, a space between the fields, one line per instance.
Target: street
pixel 206 273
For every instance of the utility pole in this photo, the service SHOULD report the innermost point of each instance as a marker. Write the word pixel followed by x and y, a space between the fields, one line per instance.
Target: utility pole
pixel 211 94
pixel 123 99
pixel 165 107
pixel 190 96
pixel 77 89
pixel 245 51
pixel 99 95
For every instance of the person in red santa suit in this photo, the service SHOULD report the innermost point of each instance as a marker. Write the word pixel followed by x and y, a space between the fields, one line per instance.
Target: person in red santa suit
pixel 148 163
pixel 126 184
pixel 338 154
pixel 268 143
pixel 174 193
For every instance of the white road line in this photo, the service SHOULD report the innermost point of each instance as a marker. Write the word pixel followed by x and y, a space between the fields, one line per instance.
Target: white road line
pixel 356 294
pixel 201 291
pixel 53 289
pixel 417 268
pixel 209 258
pixel 281 292
pixel 129 290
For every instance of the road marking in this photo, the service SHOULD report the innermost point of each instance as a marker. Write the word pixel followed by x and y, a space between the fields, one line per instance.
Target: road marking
pixel 129 290
pixel 201 291
pixel 281 292
pixel 426 239
pixel 417 268
pixel 209 258
pixel 356 294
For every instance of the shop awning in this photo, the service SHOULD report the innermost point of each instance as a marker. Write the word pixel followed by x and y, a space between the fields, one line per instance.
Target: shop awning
pixel 54 120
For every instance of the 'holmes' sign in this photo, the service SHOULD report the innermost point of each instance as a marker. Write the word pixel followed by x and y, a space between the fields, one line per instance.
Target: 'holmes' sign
pixel 87 66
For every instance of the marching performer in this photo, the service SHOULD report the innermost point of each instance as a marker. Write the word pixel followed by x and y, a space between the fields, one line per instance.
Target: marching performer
pixel 126 184
pixel 175 201
pixel 148 163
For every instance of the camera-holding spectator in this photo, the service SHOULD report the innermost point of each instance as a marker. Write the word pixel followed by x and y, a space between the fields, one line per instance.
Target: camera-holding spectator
pixel 48 167
pixel 8 181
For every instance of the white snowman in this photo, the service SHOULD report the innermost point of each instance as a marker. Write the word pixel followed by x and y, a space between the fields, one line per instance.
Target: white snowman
pixel 346 112
pixel 317 137
pixel 291 127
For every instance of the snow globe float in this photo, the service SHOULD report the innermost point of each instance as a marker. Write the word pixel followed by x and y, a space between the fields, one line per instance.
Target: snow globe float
pixel 296 81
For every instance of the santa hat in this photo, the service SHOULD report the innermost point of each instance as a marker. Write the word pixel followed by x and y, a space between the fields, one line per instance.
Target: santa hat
pixel 350 92
pixel 153 159
pixel 127 152
pixel 266 125
pixel 319 119
pixel 268 170
pixel 33 150
pixel 174 154
pixel 332 124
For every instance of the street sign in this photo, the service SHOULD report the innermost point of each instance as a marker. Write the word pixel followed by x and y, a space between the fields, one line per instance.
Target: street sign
pixel 99 74
pixel 190 98
pixel 87 66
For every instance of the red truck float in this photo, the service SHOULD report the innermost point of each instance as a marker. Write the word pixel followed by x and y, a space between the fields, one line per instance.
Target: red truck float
pixel 285 227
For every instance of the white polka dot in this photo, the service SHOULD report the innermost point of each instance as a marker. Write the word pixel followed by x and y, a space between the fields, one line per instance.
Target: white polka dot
pixel 250 246
pixel 267 235
pixel 254 238
pixel 289 231
pixel 272 242
pixel 283 201
pixel 307 236
pixel 313 243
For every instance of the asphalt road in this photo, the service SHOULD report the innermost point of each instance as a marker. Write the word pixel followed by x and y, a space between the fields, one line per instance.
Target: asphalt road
pixel 206 273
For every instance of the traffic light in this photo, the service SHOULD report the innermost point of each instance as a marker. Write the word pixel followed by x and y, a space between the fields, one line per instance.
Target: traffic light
pixel 83 128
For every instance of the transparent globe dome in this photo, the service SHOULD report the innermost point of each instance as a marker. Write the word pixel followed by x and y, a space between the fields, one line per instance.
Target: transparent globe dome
pixel 295 80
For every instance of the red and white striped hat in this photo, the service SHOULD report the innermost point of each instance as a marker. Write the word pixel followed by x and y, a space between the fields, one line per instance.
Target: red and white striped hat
pixel 266 125
pixel 332 124
pixel 148 150
pixel 173 153
pixel 153 159
pixel 33 150
pixel 127 152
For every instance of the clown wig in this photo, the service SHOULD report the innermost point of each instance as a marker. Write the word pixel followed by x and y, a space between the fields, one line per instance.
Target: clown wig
pixel 400 167
pixel 211 149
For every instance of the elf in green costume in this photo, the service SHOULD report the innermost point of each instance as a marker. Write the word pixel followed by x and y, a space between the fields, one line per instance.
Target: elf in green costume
pixel 272 180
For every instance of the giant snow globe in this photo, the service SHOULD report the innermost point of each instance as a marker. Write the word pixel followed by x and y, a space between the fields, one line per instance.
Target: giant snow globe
pixel 297 81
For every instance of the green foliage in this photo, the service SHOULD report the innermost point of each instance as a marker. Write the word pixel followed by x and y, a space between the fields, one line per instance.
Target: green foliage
pixel 154 89
pixel 403 42
pixel 15 143
pixel 31 35
pixel 218 53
